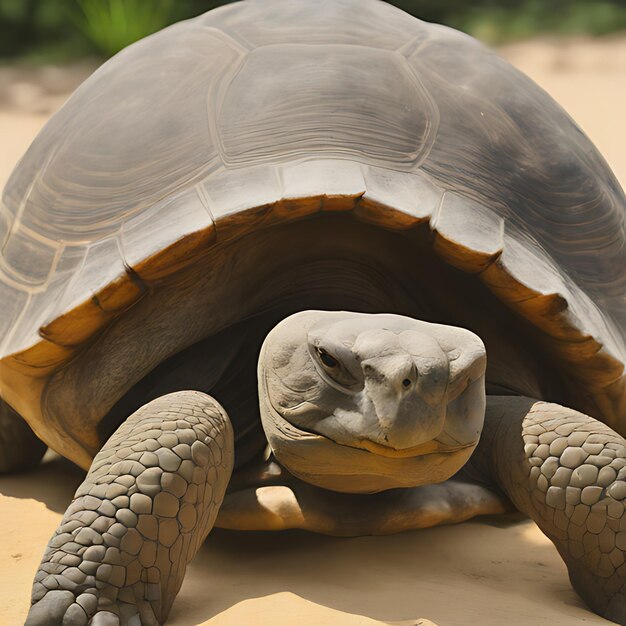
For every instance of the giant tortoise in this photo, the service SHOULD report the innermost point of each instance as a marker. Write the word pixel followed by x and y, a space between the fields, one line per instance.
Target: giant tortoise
pixel 203 212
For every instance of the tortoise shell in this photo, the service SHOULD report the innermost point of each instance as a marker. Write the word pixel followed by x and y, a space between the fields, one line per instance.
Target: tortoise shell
pixel 227 127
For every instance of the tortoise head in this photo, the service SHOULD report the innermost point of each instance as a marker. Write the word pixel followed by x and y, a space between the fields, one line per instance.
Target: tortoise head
pixel 361 403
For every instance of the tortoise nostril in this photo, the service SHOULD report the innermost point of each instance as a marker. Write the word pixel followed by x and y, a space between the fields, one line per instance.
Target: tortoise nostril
pixel 406 383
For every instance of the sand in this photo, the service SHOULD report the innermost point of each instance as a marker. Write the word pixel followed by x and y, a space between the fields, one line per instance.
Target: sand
pixel 490 571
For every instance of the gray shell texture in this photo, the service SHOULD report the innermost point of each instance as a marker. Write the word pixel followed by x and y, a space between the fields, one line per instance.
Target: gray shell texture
pixel 261 101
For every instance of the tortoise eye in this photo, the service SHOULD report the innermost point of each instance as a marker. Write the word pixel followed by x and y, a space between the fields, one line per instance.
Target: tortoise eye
pixel 327 360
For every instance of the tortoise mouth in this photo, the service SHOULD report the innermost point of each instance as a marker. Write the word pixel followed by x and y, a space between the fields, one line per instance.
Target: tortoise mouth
pixel 430 447
pixel 321 461
pixel 434 446
pixel 367 445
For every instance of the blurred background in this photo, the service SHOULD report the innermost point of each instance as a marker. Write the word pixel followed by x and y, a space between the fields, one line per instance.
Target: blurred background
pixel 61 30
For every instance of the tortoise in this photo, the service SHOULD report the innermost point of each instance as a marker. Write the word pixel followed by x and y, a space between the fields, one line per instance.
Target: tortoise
pixel 307 224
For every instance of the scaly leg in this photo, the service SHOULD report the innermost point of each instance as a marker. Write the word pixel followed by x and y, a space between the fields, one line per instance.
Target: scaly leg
pixel 146 505
pixel 568 472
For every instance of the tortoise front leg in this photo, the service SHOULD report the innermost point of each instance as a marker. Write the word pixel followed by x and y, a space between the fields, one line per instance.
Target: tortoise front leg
pixel 146 505
pixel 20 449
pixel 567 471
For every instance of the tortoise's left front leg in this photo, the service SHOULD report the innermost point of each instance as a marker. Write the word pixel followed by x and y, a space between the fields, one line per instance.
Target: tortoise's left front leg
pixel 568 472
pixel 148 502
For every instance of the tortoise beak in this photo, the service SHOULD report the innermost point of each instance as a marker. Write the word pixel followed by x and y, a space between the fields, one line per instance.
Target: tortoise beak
pixel 433 446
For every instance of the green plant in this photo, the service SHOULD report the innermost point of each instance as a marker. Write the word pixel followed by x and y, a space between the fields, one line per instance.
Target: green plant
pixel 114 24
pixel 594 18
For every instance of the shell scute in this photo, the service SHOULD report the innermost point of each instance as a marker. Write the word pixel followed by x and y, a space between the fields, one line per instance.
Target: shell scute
pixel 76 318
pixel 331 185
pixel 468 235
pixel 13 302
pixel 308 108
pixel 397 200
pixel 138 164
pixel 241 199
pixel 158 233
pixel 29 259
pixel 525 159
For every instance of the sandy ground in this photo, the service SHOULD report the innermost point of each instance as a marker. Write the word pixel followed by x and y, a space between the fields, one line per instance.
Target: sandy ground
pixel 489 571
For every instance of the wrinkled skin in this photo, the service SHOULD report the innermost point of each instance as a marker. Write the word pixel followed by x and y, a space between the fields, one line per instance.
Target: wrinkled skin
pixel 370 418
pixel 404 399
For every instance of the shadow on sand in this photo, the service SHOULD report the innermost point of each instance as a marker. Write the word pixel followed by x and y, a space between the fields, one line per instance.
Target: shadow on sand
pixel 490 571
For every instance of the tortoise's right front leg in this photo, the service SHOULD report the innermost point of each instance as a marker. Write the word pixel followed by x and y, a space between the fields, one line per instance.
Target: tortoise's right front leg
pixel 147 504
pixel 568 472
